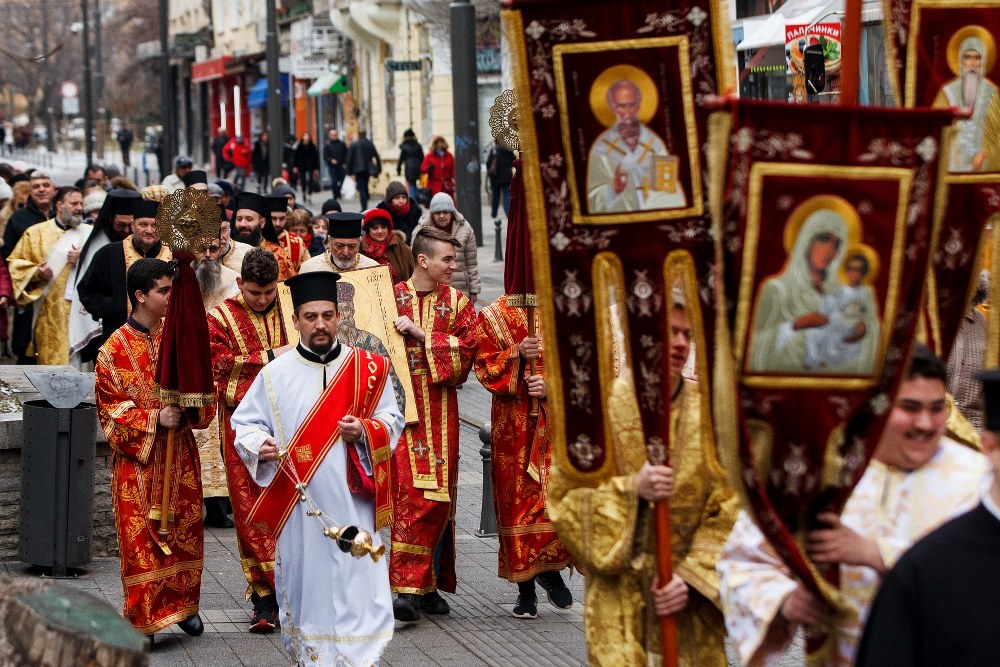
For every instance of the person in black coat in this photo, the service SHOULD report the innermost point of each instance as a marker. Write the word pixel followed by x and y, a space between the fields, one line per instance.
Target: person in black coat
pixel 335 158
pixel 404 209
pixel 363 162
pixel 260 162
pixel 222 166
pixel 288 160
pixel 102 288
pixel 500 169
pixel 307 165
pixel 411 156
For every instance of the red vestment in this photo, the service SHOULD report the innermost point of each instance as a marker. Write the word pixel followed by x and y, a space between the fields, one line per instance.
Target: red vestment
pixel 240 339
pixel 286 267
pixel 425 462
pixel 295 247
pixel 520 450
pixel 159 589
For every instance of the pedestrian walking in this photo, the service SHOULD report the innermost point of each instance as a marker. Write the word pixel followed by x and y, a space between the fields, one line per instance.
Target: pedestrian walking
pixel 125 138
pixel 335 159
pixel 439 167
pixel 307 166
pixel 411 157
pixel 260 162
pixel 363 162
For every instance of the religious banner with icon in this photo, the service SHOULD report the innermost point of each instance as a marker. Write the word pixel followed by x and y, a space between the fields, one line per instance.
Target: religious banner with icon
pixel 824 249
pixel 945 55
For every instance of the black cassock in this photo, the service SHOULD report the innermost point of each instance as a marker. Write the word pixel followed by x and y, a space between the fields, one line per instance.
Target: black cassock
pixel 103 293
pixel 939 605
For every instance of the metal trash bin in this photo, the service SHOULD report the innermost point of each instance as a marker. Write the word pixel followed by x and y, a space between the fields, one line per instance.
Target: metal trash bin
pixel 57 485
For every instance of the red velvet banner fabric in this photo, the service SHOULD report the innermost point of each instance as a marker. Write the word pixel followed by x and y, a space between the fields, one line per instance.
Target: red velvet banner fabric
pixel 614 163
pixel 518 277
pixel 826 237
pixel 184 364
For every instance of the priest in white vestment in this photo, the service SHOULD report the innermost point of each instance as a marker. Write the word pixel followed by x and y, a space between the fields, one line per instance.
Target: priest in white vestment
pixel 917 480
pixel 335 609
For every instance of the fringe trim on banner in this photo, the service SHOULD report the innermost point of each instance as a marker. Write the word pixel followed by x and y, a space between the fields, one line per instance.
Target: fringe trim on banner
pixel 173 397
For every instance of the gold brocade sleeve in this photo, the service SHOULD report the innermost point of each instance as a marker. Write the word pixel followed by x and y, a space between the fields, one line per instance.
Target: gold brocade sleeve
pixel 130 431
pixel 596 524
pixel 697 568
pixel 498 361
pixel 23 263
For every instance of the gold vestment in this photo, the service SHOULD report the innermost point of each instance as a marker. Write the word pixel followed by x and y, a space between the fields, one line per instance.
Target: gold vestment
pixel 610 532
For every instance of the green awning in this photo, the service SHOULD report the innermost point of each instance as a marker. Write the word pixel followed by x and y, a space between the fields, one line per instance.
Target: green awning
pixel 328 83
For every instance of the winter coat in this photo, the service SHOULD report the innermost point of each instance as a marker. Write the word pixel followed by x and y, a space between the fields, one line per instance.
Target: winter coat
pixel 335 150
pixel 237 153
pixel 362 158
pixel 440 172
pixel 466 276
pixel 411 157
pixel 398 256
pixel 260 158
pixel 500 165
pixel 306 158
pixel 404 223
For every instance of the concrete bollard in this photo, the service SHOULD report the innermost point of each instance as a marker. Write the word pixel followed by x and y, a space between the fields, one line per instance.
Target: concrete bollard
pixel 487 515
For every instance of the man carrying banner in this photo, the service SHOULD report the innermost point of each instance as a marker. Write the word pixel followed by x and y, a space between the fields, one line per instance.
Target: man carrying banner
pixel 161 575
pixel 609 531
pixel 439 327
pixel 529 546
pixel 917 479
pixel 245 333
pixel 316 428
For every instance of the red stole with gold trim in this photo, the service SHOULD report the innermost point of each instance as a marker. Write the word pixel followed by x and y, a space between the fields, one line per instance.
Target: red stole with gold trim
pixel 354 390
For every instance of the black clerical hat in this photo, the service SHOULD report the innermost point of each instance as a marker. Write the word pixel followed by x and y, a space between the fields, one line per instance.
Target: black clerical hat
pixel 991 398
pixel 277 203
pixel 195 176
pixel 120 202
pixel 344 225
pixel 146 208
pixel 313 286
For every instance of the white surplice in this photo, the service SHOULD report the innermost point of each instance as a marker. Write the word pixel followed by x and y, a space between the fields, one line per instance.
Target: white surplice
pixel 335 609
pixel 895 507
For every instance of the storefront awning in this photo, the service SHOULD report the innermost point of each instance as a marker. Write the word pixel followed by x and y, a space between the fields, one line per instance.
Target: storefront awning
pixel 257 97
pixel 762 31
pixel 208 70
pixel 329 83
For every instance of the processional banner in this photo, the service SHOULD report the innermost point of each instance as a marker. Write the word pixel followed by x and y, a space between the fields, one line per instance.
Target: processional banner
pixel 943 53
pixel 825 232
pixel 614 176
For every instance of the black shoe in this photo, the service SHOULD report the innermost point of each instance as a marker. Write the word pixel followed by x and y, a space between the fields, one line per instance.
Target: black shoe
pixel 150 641
pixel 526 607
pixel 433 603
pixel 265 614
pixel 554 587
pixel 406 608
pixel 192 625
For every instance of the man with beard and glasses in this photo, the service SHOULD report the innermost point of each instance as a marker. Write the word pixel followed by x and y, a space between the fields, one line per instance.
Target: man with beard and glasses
pixel 917 479
pixel 112 224
pixel 40 267
pixel 973 93
pixel 630 168
pixel 293 245
pixel 336 609
pixel 246 332
pixel 232 252
pixel 252 225
pixel 343 246
pixel 102 287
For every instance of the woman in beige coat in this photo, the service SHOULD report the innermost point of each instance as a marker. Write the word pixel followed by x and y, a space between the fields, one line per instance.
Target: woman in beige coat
pixel 444 216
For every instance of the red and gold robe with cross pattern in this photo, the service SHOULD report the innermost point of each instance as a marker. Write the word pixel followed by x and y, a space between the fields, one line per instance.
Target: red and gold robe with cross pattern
pixel 240 339
pixel 520 450
pixel 160 589
pixel 425 462
pixel 295 247
pixel 286 267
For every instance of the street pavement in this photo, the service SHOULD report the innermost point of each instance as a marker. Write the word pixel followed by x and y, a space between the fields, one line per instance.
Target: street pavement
pixel 480 629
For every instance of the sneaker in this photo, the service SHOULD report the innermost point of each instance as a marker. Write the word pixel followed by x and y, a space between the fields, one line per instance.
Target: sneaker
pixel 526 606
pixel 265 615
pixel 556 589
pixel 433 603
pixel 406 608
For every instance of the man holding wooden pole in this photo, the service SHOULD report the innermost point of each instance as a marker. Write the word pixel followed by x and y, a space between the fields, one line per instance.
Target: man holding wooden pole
pixel 161 571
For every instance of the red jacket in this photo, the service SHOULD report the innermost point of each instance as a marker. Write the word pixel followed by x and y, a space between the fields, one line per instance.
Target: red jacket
pixel 237 153
pixel 440 172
